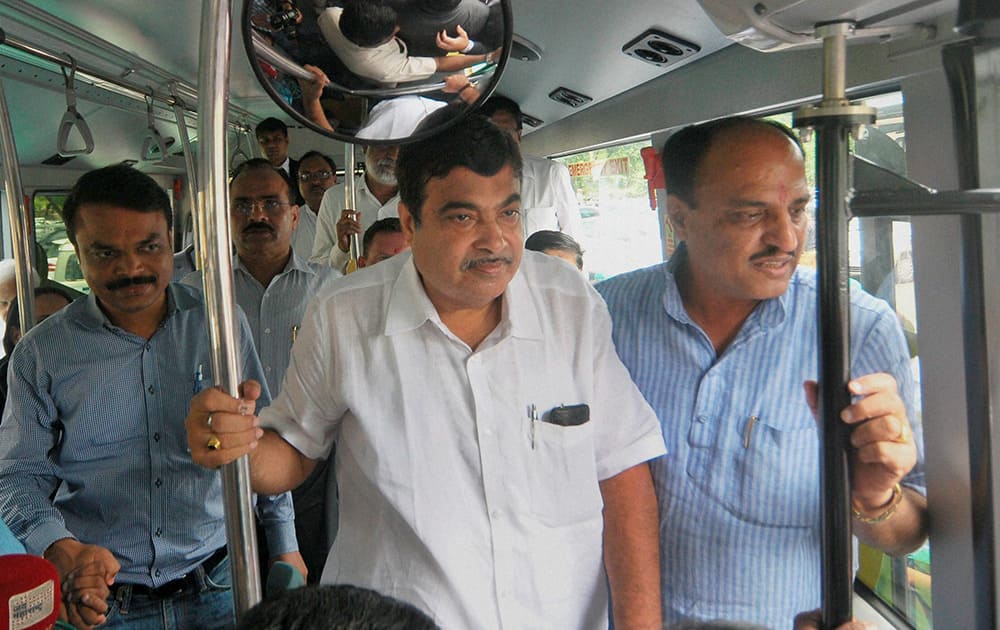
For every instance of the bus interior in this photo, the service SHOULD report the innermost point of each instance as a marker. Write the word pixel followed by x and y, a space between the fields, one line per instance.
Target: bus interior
pixel 602 86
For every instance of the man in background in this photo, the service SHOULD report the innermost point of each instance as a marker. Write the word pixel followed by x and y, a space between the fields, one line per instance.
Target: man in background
pixel 377 198
pixel 317 173
pixel 272 136
pixel 548 201
pixel 383 240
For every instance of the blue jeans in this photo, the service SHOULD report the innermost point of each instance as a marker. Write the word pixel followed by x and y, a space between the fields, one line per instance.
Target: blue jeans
pixel 211 608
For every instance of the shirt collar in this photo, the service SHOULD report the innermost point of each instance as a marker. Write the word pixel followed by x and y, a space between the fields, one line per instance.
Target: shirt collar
pixel 177 300
pixel 295 263
pixel 409 307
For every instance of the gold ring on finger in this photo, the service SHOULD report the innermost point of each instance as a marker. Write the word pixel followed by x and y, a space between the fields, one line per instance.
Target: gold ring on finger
pixel 213 443
pixel 904 434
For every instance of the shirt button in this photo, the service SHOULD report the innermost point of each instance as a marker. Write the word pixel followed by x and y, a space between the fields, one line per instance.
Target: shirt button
pixel 156 573
pixel 148 346
pixel 497 514
pixel 158 482
pixel 702 419
pixel 156 437
pixel 159 531
pixel 150 389
pixel 268 368
pixel 267 331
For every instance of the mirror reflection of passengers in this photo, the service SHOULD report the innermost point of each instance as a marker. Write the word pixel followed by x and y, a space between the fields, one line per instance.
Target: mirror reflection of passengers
pixel 363 35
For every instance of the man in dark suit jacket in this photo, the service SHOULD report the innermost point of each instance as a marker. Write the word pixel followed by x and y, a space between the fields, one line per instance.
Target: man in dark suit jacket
pixel 272 135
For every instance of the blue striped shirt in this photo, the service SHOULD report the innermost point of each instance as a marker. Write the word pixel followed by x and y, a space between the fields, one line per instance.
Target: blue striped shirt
pixel 275 312
pixel 740 525
pixel 102 411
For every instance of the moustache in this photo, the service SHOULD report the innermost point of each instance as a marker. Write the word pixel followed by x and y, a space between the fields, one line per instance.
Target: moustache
pixel 258 227
pixel 122 283
pixel 771 252
pixel 478 262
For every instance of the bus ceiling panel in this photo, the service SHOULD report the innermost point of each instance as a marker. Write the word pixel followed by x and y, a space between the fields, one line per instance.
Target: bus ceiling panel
pixel 138 44
pixel 116 122
pixel 581 49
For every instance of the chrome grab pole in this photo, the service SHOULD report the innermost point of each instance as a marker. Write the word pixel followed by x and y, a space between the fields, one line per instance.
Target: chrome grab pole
pixel 22 236
pixel 833 120
pixel 220 304
pixel 351 203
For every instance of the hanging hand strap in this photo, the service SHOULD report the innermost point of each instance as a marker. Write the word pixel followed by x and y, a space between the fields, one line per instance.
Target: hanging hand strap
pixel 72 118
pixel 154 148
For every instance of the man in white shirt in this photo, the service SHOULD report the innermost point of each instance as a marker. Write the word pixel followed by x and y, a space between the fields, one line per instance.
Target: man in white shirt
pixel 376 197
pixel 548 201
pixel 317 173
pixel 363 36
pixel 491 448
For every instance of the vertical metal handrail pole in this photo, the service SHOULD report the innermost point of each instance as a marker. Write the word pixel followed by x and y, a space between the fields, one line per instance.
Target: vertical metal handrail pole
pixel 21 229
pixel 213 82
pixel 834 369
pixel 192 175
pixel 833 119
pixel 351 198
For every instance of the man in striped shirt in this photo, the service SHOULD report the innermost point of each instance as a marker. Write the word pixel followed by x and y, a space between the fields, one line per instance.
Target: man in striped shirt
pixel 273 286
pixel 720 340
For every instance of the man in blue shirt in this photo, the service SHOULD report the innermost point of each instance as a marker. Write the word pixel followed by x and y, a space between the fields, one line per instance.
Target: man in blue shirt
pixel 98 393
pixel 273 286
pixel 720 341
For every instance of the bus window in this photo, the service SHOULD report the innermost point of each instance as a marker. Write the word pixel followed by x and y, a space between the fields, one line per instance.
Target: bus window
pixel 50 234
pixel 881 261
pixel 620 231
pixel 884 255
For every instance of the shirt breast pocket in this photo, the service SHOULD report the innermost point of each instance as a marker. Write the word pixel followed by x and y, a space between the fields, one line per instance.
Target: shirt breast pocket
pixel 763 469
pixel 565 488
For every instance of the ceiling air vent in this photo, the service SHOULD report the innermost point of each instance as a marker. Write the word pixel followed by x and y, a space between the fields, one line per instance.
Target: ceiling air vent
pixel 57 160
pixel 531 121
pixel 659 48
pixel 567 96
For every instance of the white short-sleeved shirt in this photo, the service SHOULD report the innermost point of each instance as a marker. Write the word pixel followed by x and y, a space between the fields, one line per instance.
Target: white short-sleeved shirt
pixel 387 63
pixel 325 249
pixel 548 201
pixel 451 498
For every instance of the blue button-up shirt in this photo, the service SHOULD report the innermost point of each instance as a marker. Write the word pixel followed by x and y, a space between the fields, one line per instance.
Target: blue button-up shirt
pixel 96 415
pixel 275 312
pixel 739 490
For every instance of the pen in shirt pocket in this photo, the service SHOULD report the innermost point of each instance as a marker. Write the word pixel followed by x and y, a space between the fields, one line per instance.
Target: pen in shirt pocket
pixel 295 333
pixel 199 378
pixel 746 432
pixel 533 418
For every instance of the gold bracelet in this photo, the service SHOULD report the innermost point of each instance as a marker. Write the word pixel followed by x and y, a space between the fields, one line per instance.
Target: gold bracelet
pixel 897 498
